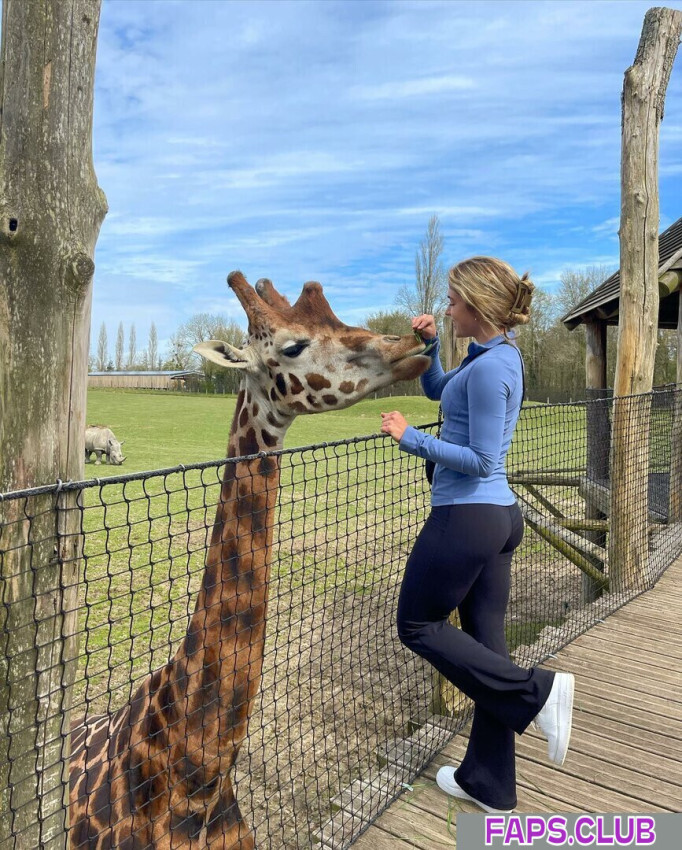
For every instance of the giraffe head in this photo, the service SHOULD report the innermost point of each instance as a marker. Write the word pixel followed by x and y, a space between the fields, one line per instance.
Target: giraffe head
pixel 304 359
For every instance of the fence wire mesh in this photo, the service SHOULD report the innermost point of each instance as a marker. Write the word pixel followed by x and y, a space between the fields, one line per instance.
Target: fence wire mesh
pixel 115 606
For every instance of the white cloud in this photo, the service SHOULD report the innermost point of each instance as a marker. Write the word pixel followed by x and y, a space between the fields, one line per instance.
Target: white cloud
pixel 610 227
pixel 313 140
pixel 414 88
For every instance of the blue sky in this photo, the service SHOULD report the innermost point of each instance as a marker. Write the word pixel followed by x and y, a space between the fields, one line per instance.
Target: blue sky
pixel 313 140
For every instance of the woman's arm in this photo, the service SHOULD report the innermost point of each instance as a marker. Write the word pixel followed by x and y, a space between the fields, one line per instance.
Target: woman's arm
pixel 433 381
pixel 487 391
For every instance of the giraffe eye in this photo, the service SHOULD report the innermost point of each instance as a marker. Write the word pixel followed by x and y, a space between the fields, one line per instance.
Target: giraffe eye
pixel 293 349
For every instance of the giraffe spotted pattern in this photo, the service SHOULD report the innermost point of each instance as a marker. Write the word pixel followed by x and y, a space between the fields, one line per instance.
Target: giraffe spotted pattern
pixel 157 774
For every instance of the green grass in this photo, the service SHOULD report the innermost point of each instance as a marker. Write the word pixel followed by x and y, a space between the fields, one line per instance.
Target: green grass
pixel 167 429
pixel 346 517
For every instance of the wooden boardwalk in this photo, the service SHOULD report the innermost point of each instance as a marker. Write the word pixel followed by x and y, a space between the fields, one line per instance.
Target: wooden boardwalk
pixel 626 745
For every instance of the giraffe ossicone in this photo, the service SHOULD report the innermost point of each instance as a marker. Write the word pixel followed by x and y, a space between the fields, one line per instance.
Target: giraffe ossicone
pixel 157 774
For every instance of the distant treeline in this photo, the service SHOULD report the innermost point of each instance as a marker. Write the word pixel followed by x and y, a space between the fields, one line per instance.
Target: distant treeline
pixel 554 356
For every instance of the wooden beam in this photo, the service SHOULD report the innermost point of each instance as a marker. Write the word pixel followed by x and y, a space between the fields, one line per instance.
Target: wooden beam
pixel 598 435
pixel 669 282
pixel 544 501
pixel 549 479
pixel 595 355
pixel 572 546
pixel 675 501
pixel 644 91
pixel 582 546
pixel 579 524
pixel 601 496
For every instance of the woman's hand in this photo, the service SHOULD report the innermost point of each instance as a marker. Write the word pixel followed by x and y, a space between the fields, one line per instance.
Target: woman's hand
pixel 394 423
pixel 425 326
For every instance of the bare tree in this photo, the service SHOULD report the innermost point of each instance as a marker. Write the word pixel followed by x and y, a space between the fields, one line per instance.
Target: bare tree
pixel 198 328
pixel 102 349
pixel 429 294
pixel 577 284
pixel 132 347
pixel 393 322
pixel 120 347
pixel 533 338
pixel 153 348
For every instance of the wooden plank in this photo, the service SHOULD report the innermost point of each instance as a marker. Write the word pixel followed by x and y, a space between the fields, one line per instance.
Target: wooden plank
pixel 414 752
pixel 621 753
pixel 601 651
pixel 617 778
pixel 636 635
pixel 623 636
pixel 582 794
pixel 338 831
pixel 637 718
pixel 416 827
pixel 651 624
pixel 626 747
pixel 378 839
pixel 548 479
pixel 659 639
pixel 648 613
pixel 365 798
pixel 647 603
pixel 625 696
pixel 658 629
pixel 566 786
pixel 620 672
pixel 529 798
pixel 540 522
pixel 644 740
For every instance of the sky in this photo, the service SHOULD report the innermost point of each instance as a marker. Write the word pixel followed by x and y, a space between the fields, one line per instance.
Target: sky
pixel 313 139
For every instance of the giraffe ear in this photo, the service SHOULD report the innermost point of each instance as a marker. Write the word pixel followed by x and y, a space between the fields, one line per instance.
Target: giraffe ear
pixel 224 354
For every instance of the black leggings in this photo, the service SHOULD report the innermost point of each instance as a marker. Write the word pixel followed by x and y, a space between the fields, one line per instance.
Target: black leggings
pixel 462 559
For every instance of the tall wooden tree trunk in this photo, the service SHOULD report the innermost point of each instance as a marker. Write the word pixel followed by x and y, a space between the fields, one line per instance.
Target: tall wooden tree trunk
pixel 51 210
pixel 643 99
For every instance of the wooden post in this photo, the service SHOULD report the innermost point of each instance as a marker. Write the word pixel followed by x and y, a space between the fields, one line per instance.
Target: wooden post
pixel 598 429
pixel 51 210
pixel 643 99
pixel 598 434
pixel 454 348
pixel 675 500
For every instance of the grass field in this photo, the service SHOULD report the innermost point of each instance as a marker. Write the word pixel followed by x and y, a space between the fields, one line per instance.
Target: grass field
pixel 346 516
pixel 166 429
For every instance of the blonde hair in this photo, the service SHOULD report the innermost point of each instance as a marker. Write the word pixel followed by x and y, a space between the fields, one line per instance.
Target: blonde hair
pixel 493 290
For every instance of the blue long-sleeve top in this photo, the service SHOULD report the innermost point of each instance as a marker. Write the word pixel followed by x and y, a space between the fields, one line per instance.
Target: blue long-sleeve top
pixel 481 400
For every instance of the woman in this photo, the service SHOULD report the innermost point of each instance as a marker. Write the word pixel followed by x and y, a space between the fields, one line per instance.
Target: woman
pixel 462 557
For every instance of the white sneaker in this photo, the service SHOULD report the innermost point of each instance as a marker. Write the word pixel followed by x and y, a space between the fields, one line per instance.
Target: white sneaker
pixel 445 779
pixel 554 718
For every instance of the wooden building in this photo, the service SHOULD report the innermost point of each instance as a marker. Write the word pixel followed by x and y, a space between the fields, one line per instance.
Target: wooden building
pixel 662 490
pixel 600 308
pixel 186 380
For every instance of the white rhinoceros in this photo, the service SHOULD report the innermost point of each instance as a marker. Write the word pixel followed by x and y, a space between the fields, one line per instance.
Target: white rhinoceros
pixel 101 440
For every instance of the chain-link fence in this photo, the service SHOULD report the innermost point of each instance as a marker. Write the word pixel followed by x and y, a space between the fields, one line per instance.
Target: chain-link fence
pixel 125 600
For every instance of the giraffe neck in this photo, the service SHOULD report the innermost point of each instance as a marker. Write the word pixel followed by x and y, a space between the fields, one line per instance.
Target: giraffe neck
pixel 221 656
pixel 256 427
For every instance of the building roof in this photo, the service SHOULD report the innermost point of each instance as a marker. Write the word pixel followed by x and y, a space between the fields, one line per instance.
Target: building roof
pixel 602 303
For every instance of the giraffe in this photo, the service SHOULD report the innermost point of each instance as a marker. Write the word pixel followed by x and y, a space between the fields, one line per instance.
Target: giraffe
pixel 157 773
